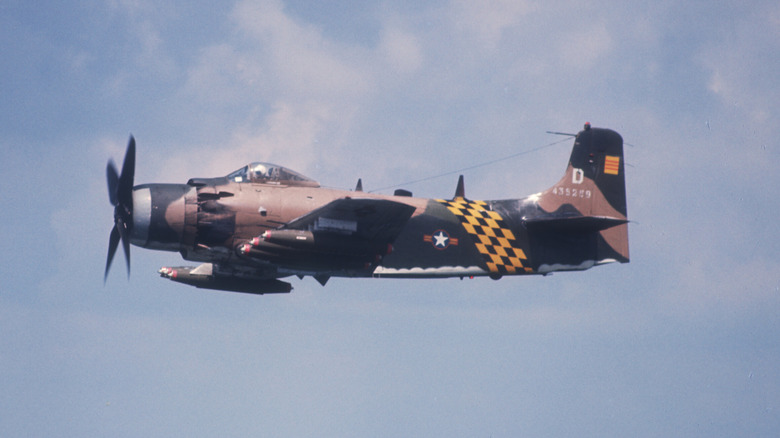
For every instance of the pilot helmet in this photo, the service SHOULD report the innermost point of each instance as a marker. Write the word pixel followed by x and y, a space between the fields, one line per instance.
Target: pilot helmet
pixel 259 171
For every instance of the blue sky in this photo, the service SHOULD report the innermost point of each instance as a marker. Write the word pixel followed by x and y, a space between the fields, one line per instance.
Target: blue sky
pixel 683 341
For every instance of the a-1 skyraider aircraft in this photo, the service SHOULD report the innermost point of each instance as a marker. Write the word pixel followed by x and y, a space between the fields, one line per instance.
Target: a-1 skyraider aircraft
pixel 264 222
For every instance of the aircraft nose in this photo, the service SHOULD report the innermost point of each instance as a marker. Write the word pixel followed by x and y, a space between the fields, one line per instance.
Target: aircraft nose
pixel 158 216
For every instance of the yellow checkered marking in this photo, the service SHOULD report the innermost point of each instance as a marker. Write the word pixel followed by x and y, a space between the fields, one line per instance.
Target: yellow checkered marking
pixel 492 237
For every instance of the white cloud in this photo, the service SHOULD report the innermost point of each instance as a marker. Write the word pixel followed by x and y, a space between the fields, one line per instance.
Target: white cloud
pixel 743 70
pixel 221 76
pixel 298 91
pixel 401 50
pixel 143 23
pixel 301 59
pixel 290 136
pixel 583 47
pixel 487 21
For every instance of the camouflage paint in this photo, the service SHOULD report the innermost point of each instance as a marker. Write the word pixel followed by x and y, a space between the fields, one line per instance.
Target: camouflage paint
pixel 579 222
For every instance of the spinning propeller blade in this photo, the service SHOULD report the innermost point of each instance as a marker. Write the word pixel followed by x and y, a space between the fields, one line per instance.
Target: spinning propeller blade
pixel 120 194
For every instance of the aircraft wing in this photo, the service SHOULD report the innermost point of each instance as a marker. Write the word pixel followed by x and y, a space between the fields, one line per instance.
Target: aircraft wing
pixel 376 220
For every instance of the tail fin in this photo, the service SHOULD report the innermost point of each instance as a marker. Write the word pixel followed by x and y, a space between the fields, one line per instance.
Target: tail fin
pixel 591 196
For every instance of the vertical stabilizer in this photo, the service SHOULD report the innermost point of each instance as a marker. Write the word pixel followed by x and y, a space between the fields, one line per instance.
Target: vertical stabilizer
pixel 591 196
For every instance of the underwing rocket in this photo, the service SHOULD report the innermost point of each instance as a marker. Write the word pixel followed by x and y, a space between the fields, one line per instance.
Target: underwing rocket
pixel 262 223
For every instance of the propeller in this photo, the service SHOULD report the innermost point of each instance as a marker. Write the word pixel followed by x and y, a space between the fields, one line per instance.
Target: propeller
pixel 120 194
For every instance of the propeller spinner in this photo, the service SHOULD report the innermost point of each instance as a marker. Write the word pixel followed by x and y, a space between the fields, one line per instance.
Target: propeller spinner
pixel 120 194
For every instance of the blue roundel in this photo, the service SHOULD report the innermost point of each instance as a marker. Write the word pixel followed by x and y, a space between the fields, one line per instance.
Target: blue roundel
pixel 441 239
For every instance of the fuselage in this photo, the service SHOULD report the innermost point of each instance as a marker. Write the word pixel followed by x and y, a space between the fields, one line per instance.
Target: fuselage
pixel 264 222
pixel 210 221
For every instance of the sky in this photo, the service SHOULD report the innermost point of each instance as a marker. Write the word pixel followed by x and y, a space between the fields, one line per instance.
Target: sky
pixel 682 341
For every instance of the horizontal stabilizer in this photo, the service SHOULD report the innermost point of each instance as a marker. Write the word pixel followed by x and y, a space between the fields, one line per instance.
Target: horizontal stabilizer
pixel 573 223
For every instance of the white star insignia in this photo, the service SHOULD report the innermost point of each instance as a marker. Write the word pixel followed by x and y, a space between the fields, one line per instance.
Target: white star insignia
pixel 441 239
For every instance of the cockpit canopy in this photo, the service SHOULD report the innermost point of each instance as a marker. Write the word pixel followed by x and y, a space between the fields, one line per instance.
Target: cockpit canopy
pixel 267 173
